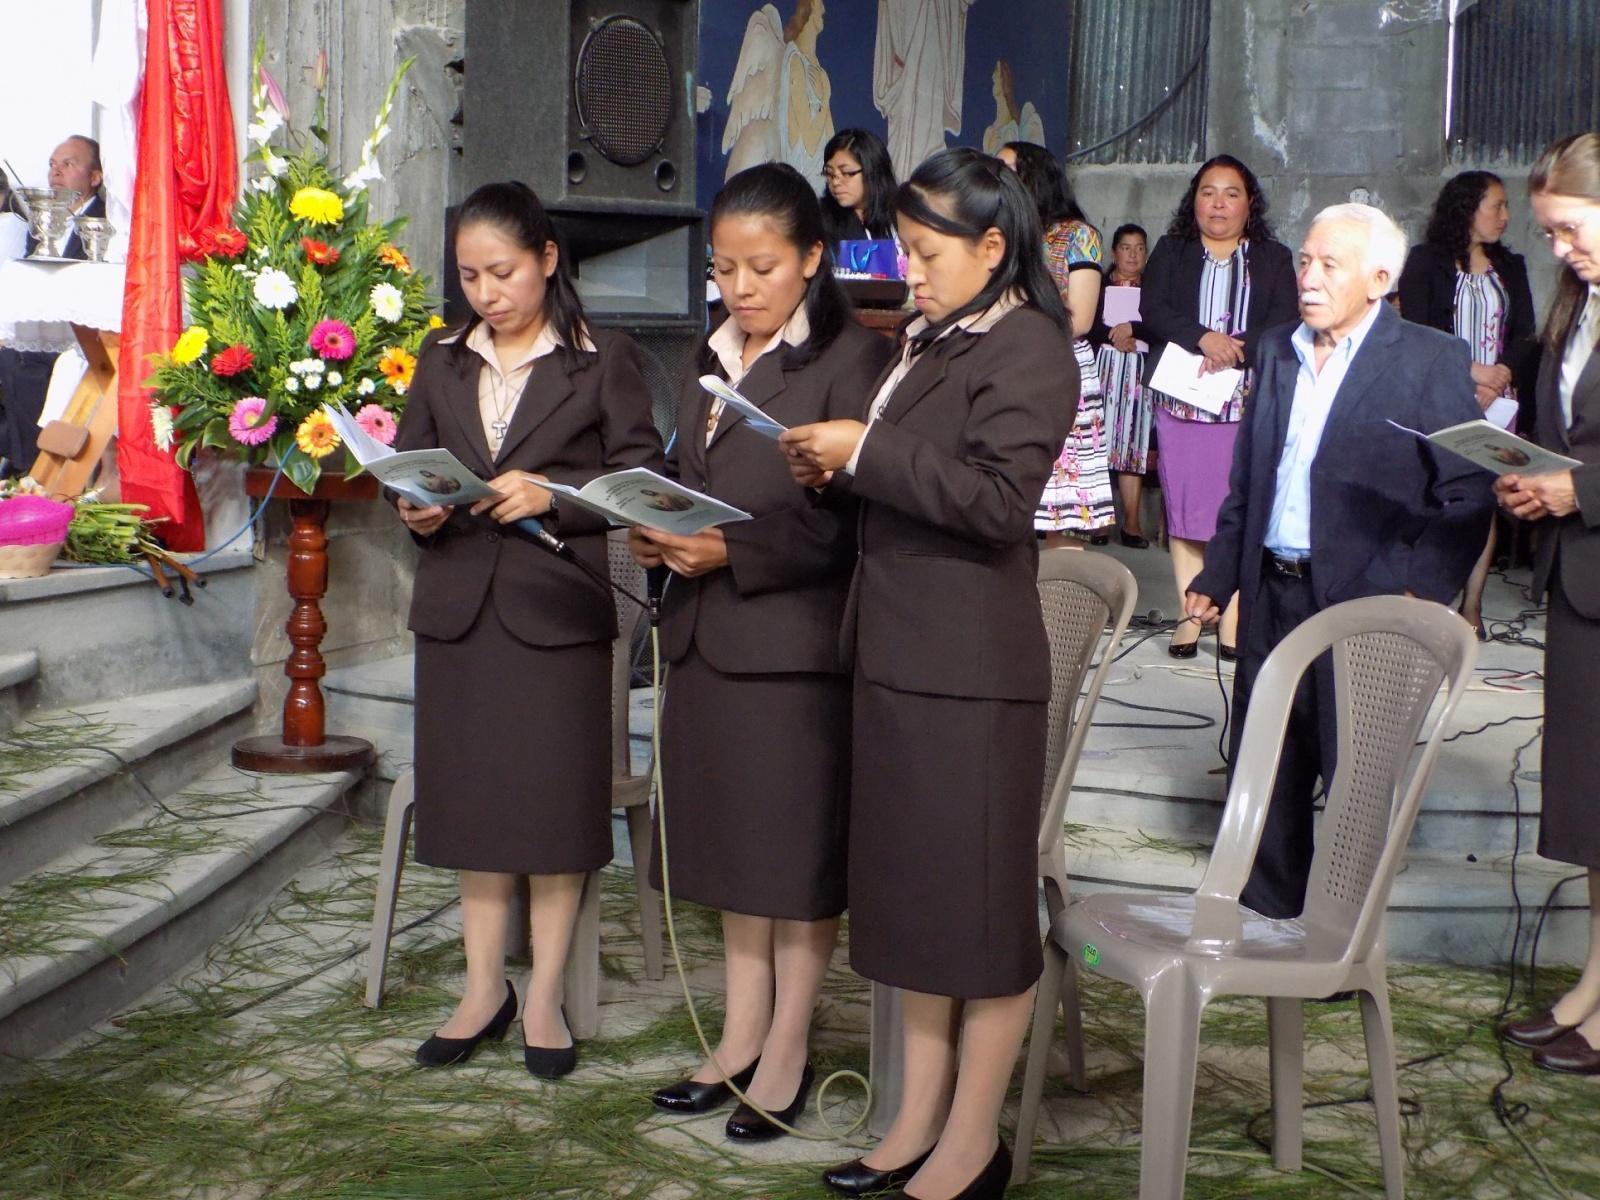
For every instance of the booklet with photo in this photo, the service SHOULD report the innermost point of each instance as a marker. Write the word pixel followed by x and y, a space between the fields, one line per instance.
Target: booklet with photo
pixel 425 477
pixel 1178 374
pixel 639 496
pixel 730 397
pixel 1486 445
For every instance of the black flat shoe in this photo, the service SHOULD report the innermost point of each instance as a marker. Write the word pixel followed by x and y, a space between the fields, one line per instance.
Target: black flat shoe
pixel 1188 650
pixel 447 1052
pixel 747 1125
pixel 1100 539
pixel 990 1183
pixel 1227 653
pixel 855 1178
pixel 690 1096
pixel 552 1062
pixel 1134 542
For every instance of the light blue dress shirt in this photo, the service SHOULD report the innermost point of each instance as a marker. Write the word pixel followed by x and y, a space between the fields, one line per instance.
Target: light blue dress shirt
pixel 1289 527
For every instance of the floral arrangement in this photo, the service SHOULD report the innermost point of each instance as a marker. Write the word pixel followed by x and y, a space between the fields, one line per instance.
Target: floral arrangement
pixel 303 301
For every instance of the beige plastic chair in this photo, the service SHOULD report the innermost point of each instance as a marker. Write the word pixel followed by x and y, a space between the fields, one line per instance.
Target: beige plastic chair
pixel 629 791
pixel 1083 595
pixel 1390 655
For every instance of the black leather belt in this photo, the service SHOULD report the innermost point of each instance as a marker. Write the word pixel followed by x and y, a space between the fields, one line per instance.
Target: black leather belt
pixel 1292 568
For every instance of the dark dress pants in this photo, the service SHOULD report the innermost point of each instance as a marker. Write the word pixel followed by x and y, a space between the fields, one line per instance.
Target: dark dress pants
pixel 1277 884
pixel 24 380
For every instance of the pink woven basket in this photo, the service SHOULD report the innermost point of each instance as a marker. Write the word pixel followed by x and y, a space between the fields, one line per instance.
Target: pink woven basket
pixel 33 521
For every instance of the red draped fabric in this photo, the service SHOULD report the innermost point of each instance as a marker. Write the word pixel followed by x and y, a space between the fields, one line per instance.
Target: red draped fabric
pixel 187 181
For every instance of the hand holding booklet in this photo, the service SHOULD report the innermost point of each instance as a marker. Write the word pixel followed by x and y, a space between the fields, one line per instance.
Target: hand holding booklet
pixel 1486 445
pixel 424 477
pixel 731 399
pixel 639 496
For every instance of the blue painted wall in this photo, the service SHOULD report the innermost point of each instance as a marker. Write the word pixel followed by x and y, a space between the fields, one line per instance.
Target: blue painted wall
pixel 1031 35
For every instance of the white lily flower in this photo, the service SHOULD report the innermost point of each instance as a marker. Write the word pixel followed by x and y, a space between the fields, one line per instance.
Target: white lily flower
pixel 268 121
pixel 161 426
pixel 275 164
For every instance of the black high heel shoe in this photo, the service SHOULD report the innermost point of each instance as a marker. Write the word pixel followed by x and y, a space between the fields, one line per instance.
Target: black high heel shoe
pixel 691 1096
pixel 1134 541
pixel 552 1062
pixel 855 1178
pixel 1184 649
pixel 990 1183
pixel 447 1052
pixel 747 1125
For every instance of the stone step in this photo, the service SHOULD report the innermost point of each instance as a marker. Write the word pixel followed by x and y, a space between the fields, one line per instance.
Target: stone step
pixel 375 700
pixel 16 671
pixel 87 934
pixel 1441 909
pixel 103 763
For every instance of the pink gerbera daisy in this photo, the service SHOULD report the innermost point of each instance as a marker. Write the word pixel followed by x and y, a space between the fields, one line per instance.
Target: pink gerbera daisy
pixel 245 423
pixel 333 339
pixel 378 422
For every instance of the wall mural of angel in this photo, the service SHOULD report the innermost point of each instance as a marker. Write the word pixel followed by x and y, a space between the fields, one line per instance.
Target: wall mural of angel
pixel 917 73
pixel 779 100
pixel 1011 124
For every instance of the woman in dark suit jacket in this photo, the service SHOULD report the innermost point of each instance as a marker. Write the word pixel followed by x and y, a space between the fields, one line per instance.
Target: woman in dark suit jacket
pixel 509 785
pixel 1463 280
pixel 1565 187
pixel 755 752
pixel 952 667
pixel 1215 283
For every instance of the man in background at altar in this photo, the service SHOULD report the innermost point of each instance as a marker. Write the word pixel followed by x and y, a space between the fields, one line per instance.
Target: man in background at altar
pixel 75 164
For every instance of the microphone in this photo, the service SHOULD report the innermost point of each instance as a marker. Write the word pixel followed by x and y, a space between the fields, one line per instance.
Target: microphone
pixel 655 583
pixel 541 535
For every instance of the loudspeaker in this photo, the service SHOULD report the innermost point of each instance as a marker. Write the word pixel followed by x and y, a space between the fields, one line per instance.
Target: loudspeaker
pixel 589 102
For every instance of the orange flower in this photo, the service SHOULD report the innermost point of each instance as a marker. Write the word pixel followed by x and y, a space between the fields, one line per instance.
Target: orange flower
pixel 398 365
pixel 320 253
pixel 394 257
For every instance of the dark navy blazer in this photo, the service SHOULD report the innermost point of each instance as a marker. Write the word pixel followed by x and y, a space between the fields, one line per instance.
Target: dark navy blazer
pixel 1388 514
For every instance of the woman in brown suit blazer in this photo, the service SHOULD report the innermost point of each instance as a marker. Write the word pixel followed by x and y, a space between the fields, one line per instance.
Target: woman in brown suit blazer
pixel 1565 188
pixel 756 725
pixel 512 782
pixel 952 667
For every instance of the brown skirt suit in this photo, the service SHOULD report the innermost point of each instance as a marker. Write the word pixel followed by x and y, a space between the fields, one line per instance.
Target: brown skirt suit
pixel 951 661
pixel 1567 573
pixel 756 719
pixel 513 646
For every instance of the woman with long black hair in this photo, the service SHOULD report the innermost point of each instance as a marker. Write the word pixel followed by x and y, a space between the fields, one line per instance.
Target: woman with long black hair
pixel 755 754
pixel 1463 279
pixel 858 201
pixel 509 786
pixel 952 676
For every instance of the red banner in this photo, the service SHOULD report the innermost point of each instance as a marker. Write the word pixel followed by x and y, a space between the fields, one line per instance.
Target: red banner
pixel 188 179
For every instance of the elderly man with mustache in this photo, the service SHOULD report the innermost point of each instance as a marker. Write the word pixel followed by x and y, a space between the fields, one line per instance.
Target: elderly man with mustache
pixel 1329 502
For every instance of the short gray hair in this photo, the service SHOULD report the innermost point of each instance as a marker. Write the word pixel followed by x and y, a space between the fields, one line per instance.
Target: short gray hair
pixel 1386 241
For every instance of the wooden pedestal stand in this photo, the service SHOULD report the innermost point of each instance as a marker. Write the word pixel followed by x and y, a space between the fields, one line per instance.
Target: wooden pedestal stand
pixel 304 745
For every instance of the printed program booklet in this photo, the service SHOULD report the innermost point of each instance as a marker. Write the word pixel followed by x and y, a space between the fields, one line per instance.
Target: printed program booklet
pixel 1486 445
pixel 424 477
pixel 731 398
pixel 639 496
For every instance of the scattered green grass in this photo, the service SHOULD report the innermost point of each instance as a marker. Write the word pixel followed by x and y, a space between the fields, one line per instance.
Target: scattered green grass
pixel 262 1074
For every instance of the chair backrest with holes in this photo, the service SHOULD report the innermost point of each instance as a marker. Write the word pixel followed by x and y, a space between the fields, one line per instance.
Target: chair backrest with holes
pixel 1079 593
pixel 629 576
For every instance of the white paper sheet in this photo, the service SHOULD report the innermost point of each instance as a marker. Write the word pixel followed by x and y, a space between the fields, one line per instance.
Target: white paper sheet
pixel 1178 374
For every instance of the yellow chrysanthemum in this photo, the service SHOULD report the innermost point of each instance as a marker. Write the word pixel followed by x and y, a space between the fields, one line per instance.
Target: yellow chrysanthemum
pixel 394 257
pixel 316 436
pixel 435 321
pixel 191 345
pixel 317 205
pixel 398 365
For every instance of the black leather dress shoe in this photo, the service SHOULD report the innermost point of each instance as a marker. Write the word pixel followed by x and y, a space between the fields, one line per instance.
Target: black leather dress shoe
pixel 855 1178
pixel 1570 1054
pixel 690 1096
pixel 551 1062
pixel 1536 1031
pixel 747 1125
pixel 447 1052
pixel 1134 542
pixel 1183 649
pixel 990 1183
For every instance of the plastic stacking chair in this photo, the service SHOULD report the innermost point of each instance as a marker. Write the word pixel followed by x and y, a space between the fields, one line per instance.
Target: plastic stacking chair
pixel 630 791
pixel 1082 595
pixel 1390 655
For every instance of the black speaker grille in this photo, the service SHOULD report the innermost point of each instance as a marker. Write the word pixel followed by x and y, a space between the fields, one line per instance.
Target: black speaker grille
pixel 624 90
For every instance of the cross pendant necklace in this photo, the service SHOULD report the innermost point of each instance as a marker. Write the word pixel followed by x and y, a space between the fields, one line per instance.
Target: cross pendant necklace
pixel 499 395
